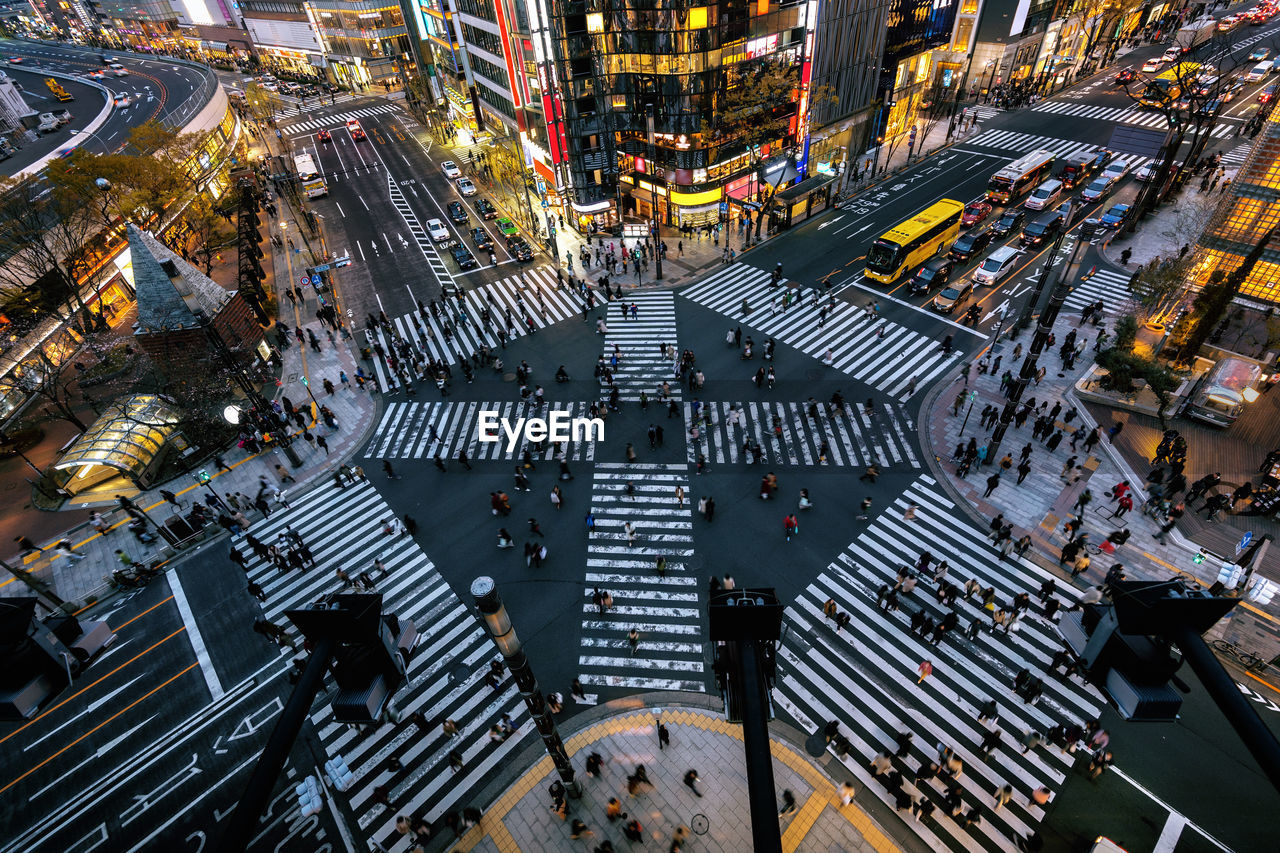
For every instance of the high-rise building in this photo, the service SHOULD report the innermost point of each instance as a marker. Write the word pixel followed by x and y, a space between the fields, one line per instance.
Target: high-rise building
pixel 13 109
pixel 285 36
pixel 848 45
pixel 365 41
pixel 1249 209
pixel 141 23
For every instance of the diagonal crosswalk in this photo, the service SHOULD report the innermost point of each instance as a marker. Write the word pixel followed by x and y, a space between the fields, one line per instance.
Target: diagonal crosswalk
pixel 666 611
pixel 1009 140
pixel 638 342
pixel 883 354
pixel 865 675
pixel 789 434
pixel 422 430
pixel 513 307
pixel 445 673
pixel 1111 286
pixel 1132 114
pixel 335 120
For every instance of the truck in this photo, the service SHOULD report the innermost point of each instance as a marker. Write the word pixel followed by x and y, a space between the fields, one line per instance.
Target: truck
pixel 1195 34
pixel 48 123
pixel 58 92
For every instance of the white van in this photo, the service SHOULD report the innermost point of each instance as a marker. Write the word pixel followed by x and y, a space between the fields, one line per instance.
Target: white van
pixel 1258 72
pixel 1044 195
pixel 117 69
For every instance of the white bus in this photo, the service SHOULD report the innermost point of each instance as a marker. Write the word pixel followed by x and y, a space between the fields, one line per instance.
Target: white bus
pixel 309 177
pixel 1019 176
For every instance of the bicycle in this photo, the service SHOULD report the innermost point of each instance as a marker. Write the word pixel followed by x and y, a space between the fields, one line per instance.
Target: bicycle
pixel 1246 659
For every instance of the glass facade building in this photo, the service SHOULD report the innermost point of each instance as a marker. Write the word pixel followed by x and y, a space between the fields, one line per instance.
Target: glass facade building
pixel 1251 207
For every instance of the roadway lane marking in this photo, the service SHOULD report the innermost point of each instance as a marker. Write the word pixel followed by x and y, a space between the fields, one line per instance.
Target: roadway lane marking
pixel 1172 813
pixel 981 153
pixel 1170 834
pixel 193 633
pixel 932 315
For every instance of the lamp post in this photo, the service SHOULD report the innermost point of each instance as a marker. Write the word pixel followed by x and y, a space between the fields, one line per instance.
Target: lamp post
pixel 498 623
pixel 653 197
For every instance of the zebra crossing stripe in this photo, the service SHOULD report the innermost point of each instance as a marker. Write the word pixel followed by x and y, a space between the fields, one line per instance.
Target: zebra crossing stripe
pixel 459 330
pixel 336 120
pixel 1108 285
pixel 450 638
pixel 641 366
pixel 851 438
pixel 1127 115
pixel 666 611
pixel 406 432
pixel 865 678
pixel 881 353
pixel 1020 142
pixel 1236 156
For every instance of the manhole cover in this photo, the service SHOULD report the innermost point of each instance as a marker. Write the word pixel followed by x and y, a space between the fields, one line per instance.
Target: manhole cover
pixel 813 373
pixel 699 824
pixel 458 672
pixel 508 377
pixel 696 561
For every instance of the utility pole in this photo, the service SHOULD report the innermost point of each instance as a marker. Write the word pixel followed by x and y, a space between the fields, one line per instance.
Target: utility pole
pixel 653 199
pixel 1038 343
pixel 498 624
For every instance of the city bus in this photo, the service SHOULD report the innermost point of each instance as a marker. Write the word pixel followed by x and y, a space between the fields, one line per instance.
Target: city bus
pixel 1022 174
pixel 309 178
pixel 1165 88
pixel 915 241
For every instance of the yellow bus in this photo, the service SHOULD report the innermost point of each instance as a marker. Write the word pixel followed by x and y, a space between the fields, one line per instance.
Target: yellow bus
pixel 915 241
pixel 1167 87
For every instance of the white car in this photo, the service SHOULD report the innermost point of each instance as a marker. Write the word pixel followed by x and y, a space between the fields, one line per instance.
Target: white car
pixel 436 229
pixel 1171 54
pixel 466 187
pixel 123 101
pixel 1116 171
pixel 997 265
pixel 1152 65
pixel 1096 189
pixel 450 169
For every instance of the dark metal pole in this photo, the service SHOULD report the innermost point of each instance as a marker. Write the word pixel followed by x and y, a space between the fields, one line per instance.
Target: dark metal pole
pixel 1038 343
pixel 1237 708
pixel 766 834
pixel 267 772
pixel 498 624
pixel 39 587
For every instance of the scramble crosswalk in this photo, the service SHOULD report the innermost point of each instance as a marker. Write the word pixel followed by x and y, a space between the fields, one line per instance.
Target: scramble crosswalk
pixel 335 120
pixel 460 330
pixel 883 354
pixel 865 675
pixel 639 342
pixel 445 674
pixel 1111 286
pixel 1126 115
pixel 1008 140
pixel 788 434
pixel 423 430
pixel 664 609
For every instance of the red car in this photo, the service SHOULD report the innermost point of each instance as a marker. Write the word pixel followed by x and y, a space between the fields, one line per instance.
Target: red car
pixel 1268 95
pixel 975 212
pixel 1126 75
pixel 323 136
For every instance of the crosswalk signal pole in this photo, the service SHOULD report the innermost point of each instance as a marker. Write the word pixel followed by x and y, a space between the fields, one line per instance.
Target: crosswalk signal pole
pixel 498 624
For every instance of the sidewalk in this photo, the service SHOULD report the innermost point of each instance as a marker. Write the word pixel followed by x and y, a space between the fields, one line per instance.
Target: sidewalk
pixel 82 581
pixel 1042 503
pixel 520 818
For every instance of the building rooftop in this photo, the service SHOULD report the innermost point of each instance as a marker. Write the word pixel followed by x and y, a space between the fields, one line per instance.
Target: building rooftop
pixel 171 293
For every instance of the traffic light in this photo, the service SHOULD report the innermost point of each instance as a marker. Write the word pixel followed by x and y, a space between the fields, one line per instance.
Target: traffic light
pixel 1199 557
pixel 203 478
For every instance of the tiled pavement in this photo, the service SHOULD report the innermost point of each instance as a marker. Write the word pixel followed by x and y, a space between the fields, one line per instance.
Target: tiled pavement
pixel 520 818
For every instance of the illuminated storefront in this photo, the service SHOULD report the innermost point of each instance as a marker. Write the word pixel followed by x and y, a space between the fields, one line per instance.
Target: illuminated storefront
pixel 1250 209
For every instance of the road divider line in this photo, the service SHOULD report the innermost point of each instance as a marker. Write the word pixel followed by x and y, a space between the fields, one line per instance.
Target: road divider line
pixel 193 634
pixel 932 315
pixel 110 719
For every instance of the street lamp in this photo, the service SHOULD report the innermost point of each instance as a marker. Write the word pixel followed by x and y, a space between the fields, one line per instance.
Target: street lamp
pixel 653 197
pixel 496 621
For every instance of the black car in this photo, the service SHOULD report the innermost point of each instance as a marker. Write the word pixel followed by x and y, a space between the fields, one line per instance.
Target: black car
pixel 481 238
pixel 519 248
pixel 462 255
pixel 1043 229
pixel 1011 221
pixel 458 213
pixel 969 245
pixel 486 209
pixel 935 272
